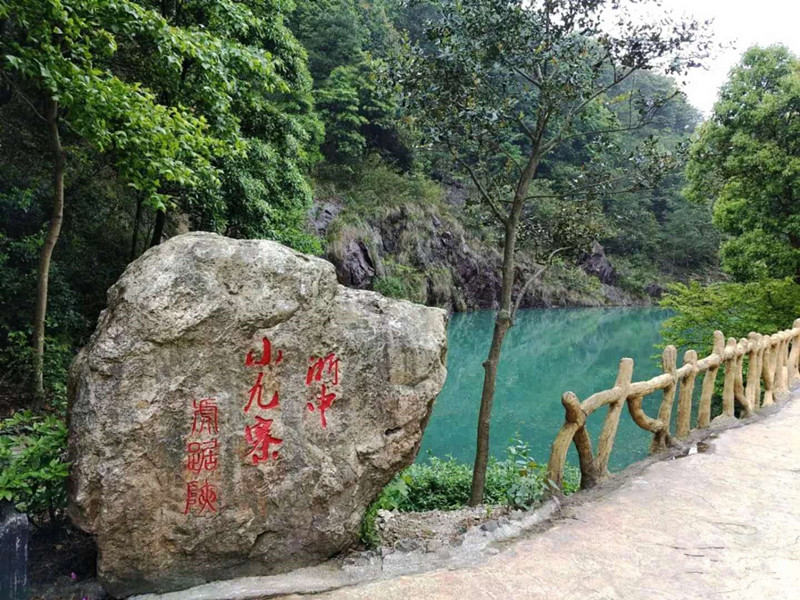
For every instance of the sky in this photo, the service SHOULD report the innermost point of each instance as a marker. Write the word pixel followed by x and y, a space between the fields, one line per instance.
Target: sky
pixel 741 23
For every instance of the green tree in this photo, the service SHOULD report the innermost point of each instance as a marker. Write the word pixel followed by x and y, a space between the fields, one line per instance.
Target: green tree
pixel 255 91
pixel 197 108
pixel 521 80
pixel 736 309
pixel 349 42
pixel 747 161
pixel 56 55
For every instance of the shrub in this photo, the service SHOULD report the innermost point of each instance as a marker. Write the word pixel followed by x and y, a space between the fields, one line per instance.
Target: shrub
pixel 401 281
pixel 33 467
pixel 444 484
pixel 736 309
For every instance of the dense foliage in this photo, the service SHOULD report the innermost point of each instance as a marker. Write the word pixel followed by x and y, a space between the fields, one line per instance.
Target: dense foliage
pixel 33 467
pixel 736 309
pixel 746 161
pixel 198 110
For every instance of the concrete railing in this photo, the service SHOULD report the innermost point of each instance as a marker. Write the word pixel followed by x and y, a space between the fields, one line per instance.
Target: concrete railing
pixel 773 359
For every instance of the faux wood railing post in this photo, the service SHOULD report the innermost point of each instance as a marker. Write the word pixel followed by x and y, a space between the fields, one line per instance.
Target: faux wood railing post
pixel 781 376
pixel 739 395
pixel 753 372
pixel 709 379
pixel 684 423
pixel 768 370
pixel 794 356
pixel 728 394
pixel 573 429
pixel 606 441
pixel 669 363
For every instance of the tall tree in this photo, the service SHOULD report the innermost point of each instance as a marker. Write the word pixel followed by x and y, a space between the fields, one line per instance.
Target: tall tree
pixel 348 43
pixel 747 161
pixel 255 92
pixel 504 84
pixel 55 55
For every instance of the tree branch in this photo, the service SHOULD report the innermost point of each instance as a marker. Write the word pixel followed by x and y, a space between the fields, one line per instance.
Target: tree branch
pixel 532 279
pixel 630 190
pixel 647 119
pixel 576 191
pixel 580 106
pixel 24 98
pixel 524 75
pixel 498 212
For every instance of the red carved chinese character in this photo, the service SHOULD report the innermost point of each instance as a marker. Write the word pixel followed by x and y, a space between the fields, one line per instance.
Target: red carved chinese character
pixel 318 366
pixel 266 355
pixel 205 416
pixel 257 392
pixel 260 438
pixel 203 496
pixel 202 456
pixel 325 401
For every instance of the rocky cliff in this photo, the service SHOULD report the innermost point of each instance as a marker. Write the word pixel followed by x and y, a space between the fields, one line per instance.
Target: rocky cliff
pixel 422 252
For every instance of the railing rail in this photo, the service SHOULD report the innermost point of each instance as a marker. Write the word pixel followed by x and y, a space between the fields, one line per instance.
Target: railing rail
pixel 773 359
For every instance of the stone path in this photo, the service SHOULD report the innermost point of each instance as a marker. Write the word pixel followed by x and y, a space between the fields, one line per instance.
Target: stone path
pixel 724 524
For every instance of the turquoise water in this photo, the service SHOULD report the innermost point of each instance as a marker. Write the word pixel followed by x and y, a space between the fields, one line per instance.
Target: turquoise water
pixel 547 352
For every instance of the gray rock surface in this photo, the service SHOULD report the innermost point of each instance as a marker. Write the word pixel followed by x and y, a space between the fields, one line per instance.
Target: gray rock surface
pixel 236 411
pixel 356 267
pixel 596 263
pixel 14 530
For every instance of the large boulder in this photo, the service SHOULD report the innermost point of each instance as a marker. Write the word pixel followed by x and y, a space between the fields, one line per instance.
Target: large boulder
pixel 237 410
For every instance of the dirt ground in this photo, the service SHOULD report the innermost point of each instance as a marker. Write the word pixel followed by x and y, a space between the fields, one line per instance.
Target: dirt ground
pixel 412 531
pixel 61 564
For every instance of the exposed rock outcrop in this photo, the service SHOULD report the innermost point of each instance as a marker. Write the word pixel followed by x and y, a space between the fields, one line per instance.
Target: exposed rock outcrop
pixel 596 263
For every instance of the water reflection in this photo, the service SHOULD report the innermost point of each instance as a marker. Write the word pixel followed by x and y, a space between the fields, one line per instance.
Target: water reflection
pixel 547 352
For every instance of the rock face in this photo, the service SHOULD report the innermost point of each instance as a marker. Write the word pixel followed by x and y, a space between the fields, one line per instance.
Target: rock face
pixel 356 268
pixel 445 263
pixel 596 263
pixel 237 410
pixel 655 290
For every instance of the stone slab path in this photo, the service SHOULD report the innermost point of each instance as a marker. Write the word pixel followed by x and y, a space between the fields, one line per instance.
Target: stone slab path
pixel 724 524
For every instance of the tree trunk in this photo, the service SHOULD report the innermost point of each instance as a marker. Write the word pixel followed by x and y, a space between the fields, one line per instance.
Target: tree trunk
pixel 53 230
pixel 136 221
pixel 158 230
pixel 795 242
pixel 501 326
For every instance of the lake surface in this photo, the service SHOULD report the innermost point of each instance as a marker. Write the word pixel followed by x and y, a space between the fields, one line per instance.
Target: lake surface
pixel 547 352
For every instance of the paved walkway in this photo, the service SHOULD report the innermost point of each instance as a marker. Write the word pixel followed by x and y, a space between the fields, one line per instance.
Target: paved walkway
pixel 718 525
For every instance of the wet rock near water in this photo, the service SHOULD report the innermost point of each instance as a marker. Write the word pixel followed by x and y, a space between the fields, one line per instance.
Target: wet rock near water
pixel 237 410
pixel 655 290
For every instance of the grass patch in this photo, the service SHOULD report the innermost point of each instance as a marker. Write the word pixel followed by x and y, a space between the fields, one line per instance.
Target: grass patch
pixel 402 282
